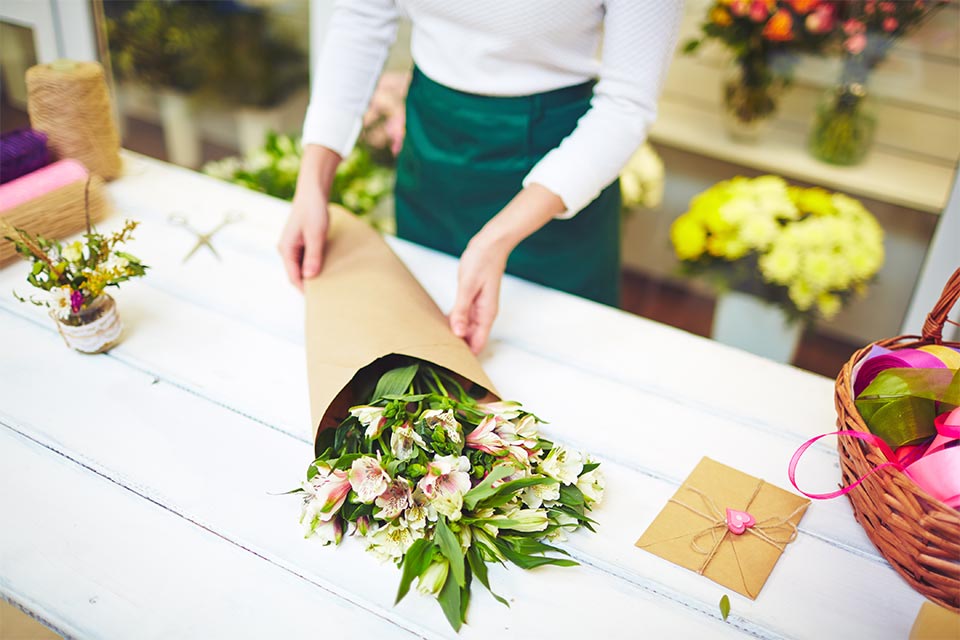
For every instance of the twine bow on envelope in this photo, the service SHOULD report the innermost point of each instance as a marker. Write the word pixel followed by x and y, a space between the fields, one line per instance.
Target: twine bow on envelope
pixel 728 545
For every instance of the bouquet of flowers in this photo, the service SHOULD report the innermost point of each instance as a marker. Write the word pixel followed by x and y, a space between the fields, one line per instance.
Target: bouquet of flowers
pixel 442 484
pixel 805 248
pixel 75 275
pixel 360 183
pixel 641 181
pixel 765 37
pixel 865 30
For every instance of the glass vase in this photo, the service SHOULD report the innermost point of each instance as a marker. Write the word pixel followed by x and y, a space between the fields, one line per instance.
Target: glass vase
pixel 750 96
pixel 844 126
pixel 94 329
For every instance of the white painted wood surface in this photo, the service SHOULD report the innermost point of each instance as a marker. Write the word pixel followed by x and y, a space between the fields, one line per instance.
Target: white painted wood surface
pixel 158 506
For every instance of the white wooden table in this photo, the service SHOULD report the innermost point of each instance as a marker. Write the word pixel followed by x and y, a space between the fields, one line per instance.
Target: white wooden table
pixel 136 488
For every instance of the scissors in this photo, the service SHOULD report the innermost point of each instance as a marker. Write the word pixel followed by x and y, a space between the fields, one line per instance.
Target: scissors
pixel 204 239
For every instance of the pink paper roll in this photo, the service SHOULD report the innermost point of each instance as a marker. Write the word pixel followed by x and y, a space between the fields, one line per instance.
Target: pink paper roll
pixel 40 182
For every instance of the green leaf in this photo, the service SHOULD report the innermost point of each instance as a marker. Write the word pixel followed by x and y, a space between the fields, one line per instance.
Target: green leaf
pixel 479 569
pixel 525 561
pixel 725 607
pixel 415 561
pixel 590 466
pixel 449 598
pixel 690 46
pixel 346 460
pixel 450 548
pixel 395 382
pixel 571 496
pixel 485 488
pixel 504 492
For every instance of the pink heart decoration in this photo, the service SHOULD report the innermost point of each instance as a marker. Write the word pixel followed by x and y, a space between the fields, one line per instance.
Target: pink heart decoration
pixel 739 521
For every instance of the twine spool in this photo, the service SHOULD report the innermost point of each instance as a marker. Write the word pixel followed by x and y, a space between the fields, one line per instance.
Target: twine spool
pixel 70 103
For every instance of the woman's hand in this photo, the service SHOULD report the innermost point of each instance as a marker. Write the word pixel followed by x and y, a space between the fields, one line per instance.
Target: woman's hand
pixel 485 259
pixel 305 234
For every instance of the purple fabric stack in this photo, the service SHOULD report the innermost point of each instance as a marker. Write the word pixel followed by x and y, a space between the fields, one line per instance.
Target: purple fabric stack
pixel 22 151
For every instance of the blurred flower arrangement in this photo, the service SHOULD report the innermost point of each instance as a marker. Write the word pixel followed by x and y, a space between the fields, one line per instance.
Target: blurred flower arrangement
pixel 641 181
pixel 441 485
pixel 765 37
pixel 865 32
pixel 359 185
pixel 805 249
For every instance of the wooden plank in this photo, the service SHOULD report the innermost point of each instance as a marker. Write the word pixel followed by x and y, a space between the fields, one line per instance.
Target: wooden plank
pixel 186 480
pixel 95 560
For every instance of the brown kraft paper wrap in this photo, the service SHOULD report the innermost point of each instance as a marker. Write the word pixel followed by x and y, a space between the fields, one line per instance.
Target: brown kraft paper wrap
pixel 366 305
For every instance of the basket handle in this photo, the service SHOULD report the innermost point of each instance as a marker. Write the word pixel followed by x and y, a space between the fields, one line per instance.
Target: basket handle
pixel 933 325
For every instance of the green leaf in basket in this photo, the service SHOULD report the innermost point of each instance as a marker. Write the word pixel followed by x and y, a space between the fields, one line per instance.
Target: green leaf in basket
pixel 942 385
pixel 905 420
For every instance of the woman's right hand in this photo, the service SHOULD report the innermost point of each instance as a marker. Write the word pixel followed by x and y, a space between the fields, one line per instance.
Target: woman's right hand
pixel 302 241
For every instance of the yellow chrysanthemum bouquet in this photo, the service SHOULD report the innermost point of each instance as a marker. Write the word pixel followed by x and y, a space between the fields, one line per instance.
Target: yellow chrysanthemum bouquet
pixel 804 248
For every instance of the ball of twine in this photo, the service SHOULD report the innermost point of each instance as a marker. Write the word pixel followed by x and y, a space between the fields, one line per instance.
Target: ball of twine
pixel 70 103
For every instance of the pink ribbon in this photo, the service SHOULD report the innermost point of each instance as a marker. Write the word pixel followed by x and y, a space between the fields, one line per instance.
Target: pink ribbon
pixel 935 467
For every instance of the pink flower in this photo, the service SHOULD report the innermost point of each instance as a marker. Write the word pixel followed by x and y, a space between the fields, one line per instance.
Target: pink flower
pixel 852 26
pixel 758 11
pixel 890 24
pixel 368 478
pixel 888 7
pixel 740 7
pixel 76 301
pixel 325 493
pixel 856 43
pixel 485 437
pixel 395 499
pixel 821 20
pixel 870 7
pixel 446 474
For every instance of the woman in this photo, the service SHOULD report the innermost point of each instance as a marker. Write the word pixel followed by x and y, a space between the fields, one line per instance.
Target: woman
pixel 516 133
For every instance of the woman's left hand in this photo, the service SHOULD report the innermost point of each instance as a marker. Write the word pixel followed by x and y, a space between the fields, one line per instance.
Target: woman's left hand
pixel 478 290
pixel 485 259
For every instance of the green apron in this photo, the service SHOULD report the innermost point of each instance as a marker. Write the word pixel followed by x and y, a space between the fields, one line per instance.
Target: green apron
pixel 464 158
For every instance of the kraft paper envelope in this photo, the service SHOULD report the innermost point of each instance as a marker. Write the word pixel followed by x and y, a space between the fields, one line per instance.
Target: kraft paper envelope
pixel 935 623
pixel 365 306
pixel 692 531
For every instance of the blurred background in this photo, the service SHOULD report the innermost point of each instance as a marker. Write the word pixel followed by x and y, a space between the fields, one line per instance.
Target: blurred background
pixel 859 98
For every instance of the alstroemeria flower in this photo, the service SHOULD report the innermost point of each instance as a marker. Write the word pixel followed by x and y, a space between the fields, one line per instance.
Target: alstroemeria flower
pixel 324 494
pixel 447 479
pixel 485 438
pixel 535 496
pixel 393 540
pixel 505 409
pixel 525 520
pixel 402 442
pixel 371 418
pixel 521 439
pixel 394 500
pixel 562 464
pixel 368 478
pixel 327 533
pixel 432 580
pixel 592 484
pixel 445 419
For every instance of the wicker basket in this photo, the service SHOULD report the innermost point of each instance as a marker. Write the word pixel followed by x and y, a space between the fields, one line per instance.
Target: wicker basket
pixel 917 534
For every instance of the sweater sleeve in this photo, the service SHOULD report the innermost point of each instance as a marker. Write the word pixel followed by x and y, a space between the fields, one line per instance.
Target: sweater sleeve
pixel 638 45
pixel 354 51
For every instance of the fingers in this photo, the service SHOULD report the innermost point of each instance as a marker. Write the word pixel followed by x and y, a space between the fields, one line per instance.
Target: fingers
pixel 315 236
pixel 460 314
pixel 484 313
pixel 291 250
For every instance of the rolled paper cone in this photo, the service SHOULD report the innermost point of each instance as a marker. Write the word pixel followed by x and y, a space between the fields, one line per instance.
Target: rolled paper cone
pixel 22 151
pixel 363 307
pixel 40 182
pixel 69 102
pixel 56 209
pixel 949 357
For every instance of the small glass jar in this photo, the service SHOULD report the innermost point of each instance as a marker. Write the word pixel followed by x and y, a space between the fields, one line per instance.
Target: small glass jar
pixel 94 329
pixel 844 126
pixel 750 95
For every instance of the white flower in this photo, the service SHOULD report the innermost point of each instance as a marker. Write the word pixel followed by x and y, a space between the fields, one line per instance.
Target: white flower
pixel 444 419
pixel 59 301
pixel 327 533
pixel 446 481
pixel 525 520
pixel 592 484
pixel 371 418
pixel 394 500
pixel 73 252
pixel 402 442
pixel 562 464
pixel 116 263
pixel 536 495
pixel 504 409
pixel 433 579
pixel 368 478
pixel 392 541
